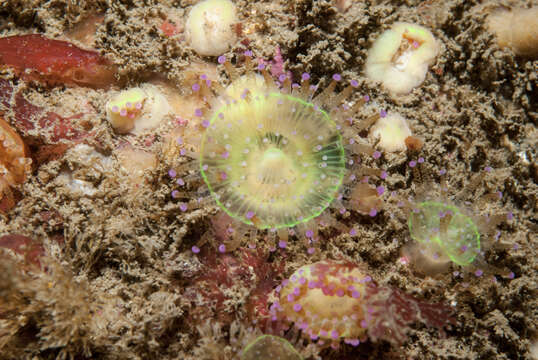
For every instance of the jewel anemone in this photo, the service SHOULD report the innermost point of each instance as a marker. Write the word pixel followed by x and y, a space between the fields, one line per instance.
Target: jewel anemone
pixel 446 229
pixel 276 154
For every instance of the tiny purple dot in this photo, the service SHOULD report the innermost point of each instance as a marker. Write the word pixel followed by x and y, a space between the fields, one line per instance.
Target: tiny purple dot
pixel 180 182
pixel 250 215
pixel 175 194
pixel 247 53
pixel 366 98
pixel 373 213
pixel 355 294
pixel 442 172
pixel 511 275
pixel 195 87
pixel 380 190
pixel 383 175
pixel 412 163
pixel 478 273
pixel 509 216
pixel 311 250
pixel 221 59
pixel 337 77
pixel 282 244
pixel 420 160
pixel 172 173
pixel 488 168
pixel 198 112
pixel 354 83
pixel 203 77
pixel 334 334
pixel 261 66
pixel 205 123
pixel 305 76
pixel 222 248
pixel 383 113
pixel 183 207
pixel 353 232
pixel 282 77
pixel 376 155
pixel 195 249
pixel 309 233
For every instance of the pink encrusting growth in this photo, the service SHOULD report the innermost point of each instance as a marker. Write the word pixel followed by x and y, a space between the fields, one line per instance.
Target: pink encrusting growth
pixel 330 301
pixel 222 273
pixel 56 133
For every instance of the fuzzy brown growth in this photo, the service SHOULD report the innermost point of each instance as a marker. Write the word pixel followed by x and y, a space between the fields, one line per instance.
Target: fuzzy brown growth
pixel 50 311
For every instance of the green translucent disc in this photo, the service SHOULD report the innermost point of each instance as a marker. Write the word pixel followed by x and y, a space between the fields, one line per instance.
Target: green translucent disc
pixel 268 347
pixel 447 228
pixel 272 160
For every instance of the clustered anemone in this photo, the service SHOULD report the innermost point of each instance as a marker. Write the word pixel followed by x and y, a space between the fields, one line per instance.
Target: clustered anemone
pixel 277 155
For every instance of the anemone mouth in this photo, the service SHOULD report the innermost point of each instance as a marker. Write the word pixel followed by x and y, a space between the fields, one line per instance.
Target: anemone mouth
pixel 447 227
pixel 272 160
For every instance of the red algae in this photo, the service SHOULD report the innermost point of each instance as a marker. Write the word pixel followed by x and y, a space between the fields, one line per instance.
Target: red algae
pixel 35 57
pixel 23 245
pixel 225 272
pixel 26 117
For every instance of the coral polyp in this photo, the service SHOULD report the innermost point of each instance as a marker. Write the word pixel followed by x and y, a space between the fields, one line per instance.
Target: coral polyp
pixel 273 160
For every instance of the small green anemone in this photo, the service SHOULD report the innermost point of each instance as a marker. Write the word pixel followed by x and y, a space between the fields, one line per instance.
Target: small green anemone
pixel 269 347
pixel 447 228
pixel 272 160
